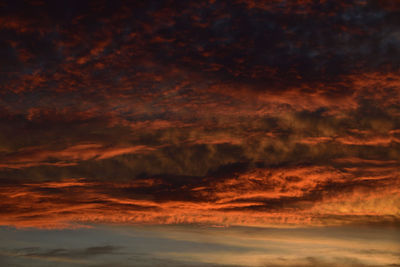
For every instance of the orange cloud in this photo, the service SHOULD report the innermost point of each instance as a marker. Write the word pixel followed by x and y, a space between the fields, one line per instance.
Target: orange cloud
pixel 283 196
pixel 69 156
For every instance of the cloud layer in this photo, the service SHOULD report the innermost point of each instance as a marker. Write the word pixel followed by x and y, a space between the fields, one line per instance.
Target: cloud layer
pixel 245 113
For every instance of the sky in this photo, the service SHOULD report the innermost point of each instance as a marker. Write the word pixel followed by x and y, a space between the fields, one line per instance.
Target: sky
pixel 200 133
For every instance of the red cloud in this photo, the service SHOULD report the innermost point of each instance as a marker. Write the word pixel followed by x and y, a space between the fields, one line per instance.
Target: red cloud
pixel 292 196
pixel 69 156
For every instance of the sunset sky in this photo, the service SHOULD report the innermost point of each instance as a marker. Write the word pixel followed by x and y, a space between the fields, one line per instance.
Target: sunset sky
pixel 200 133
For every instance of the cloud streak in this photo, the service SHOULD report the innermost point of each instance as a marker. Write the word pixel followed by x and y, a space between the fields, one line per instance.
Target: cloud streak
pixel 301 195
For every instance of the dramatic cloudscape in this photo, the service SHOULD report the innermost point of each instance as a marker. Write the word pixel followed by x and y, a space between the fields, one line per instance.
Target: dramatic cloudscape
pixel 200 133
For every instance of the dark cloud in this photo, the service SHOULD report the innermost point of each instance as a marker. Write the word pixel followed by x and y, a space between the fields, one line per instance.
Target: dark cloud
pixel 171 108
pixel 68 253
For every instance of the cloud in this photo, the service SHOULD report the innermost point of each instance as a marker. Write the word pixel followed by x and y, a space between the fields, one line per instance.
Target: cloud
pixel 253 112
pixel 62 256
pixel 320 262
pixel 70 253
pixel 68 156
pixel 314 195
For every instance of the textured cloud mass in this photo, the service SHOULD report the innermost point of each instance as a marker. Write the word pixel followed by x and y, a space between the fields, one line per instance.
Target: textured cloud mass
pixel 207 112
